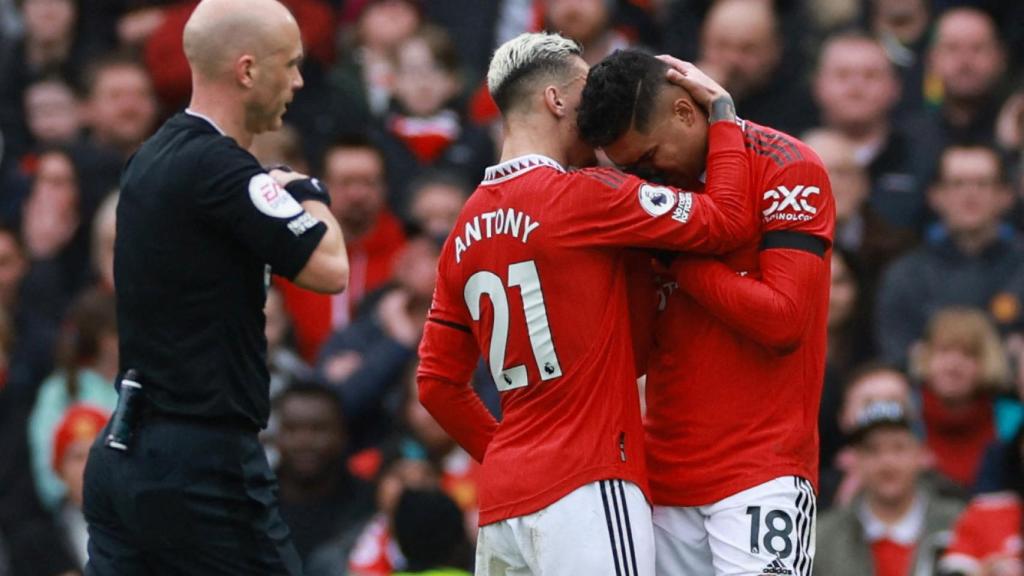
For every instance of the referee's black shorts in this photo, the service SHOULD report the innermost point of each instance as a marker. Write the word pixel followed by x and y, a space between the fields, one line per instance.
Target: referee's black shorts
pixel 188 498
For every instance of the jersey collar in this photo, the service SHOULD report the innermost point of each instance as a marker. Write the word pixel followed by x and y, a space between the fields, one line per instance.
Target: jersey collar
pixel 209 120
pixel 516 166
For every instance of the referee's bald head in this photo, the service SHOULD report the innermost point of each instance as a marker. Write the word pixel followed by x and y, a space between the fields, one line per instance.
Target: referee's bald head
pixel 221 31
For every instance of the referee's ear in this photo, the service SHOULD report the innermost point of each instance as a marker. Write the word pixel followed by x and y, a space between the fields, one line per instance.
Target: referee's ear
pixel 245 73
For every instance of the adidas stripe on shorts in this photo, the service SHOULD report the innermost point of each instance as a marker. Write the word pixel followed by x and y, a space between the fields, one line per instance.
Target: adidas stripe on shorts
pixel 767 530
pixel 600 529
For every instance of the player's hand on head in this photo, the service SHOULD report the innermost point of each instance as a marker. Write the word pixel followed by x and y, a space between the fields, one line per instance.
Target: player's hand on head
pixel 701 87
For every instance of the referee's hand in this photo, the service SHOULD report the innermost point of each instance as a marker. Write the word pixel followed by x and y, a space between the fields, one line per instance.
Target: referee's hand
pixel 283 178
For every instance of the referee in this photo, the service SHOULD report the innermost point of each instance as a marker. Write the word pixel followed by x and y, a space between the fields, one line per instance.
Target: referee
pixel 200 227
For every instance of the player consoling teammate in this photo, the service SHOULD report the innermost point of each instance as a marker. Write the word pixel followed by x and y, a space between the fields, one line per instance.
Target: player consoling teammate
pixel 735 374
pixel 534 276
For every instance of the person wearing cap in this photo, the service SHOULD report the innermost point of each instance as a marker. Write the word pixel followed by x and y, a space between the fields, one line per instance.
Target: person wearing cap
pixel 898 524
pixel 72 437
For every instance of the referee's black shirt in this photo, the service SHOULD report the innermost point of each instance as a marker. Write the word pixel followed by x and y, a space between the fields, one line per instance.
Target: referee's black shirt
pixel 198 221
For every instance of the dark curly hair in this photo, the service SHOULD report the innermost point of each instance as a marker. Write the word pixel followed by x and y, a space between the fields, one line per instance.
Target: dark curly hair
pixel 620 93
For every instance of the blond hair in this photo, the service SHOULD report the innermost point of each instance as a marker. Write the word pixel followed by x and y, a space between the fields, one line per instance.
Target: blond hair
pixel 971 331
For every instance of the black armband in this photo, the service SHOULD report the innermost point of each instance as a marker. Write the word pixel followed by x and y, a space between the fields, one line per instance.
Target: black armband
pixel 305 189
pixel 308 189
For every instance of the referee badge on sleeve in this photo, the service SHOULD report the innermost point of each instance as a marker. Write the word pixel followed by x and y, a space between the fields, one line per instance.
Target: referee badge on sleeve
pixel 271 199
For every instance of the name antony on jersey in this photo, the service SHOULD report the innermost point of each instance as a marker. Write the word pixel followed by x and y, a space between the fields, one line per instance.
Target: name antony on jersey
pixel 490 224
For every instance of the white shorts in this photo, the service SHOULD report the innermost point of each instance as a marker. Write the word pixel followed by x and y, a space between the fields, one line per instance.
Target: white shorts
pixel 600 529
pixel 767 530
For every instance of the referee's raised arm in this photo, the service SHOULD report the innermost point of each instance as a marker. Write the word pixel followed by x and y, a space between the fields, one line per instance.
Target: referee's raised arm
pixel 179 482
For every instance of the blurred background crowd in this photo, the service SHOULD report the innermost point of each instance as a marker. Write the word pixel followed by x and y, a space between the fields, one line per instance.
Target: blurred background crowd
pixel 915 107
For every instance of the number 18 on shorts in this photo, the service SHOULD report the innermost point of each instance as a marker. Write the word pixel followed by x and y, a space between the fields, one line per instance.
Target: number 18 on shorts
pixel 767 530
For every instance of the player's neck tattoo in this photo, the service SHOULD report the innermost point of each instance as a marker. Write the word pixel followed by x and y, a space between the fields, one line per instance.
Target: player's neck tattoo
pixel 722 108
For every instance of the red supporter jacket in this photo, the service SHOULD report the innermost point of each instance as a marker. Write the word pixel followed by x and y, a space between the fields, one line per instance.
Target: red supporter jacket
pixel 533 276
pixel 371 259
pixel 736 370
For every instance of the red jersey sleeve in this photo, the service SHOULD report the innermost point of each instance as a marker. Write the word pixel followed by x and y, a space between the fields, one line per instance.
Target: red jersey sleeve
pixel 605 207
pixel 986 529
pixel 798 219
pixel 799 199
pixel 448 354
pixel 775 310
pixel 642 292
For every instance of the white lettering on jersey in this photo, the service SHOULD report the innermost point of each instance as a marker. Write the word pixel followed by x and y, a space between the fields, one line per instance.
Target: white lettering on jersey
pixel 300 225
pixel 682 212
pixel 270 198
pixel 500 222
pixel 790 205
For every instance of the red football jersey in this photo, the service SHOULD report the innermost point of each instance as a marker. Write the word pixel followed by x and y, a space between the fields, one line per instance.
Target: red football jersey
pixel 989 528
pixel 533 275
pixel 735 374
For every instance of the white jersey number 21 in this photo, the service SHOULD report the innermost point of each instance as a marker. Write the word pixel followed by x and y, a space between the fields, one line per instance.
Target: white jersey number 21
pixel 524 275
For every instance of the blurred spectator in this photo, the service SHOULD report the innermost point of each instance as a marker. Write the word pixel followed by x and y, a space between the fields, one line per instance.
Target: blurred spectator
pixel 285 365
pixel 987 538
pixel 420 435
pixel 122 110
pixel 962 366
pixel 375 552
pixel 88 364
pixel 33 313
pixel 902 26
pixel 588 22
pixel 365 75
pixel 354 173
pixel 827 16
pixel 365 361
pixel 49 46
pixel 72 438
pixel 282 146
pixel 969 260
pixel 848 346
pixel 741 47
pixel 319 497
pixel 472 24
pixel 426 129
pixel 868 384
pixel 54 229
pixel 430 533
pixel 51 112
pixel 104 231
pixel 967 62
pixel 856 89
pixel 898 523
pixel 437 199
pixel 860 231
pixel 26 531
pixel 368 549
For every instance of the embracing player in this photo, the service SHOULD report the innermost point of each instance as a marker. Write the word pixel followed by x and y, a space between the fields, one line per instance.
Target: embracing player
pixel 533 275
pixel 734 378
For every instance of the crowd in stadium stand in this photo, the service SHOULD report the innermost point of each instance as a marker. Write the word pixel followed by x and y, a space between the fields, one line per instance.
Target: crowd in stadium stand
pixel 915 107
